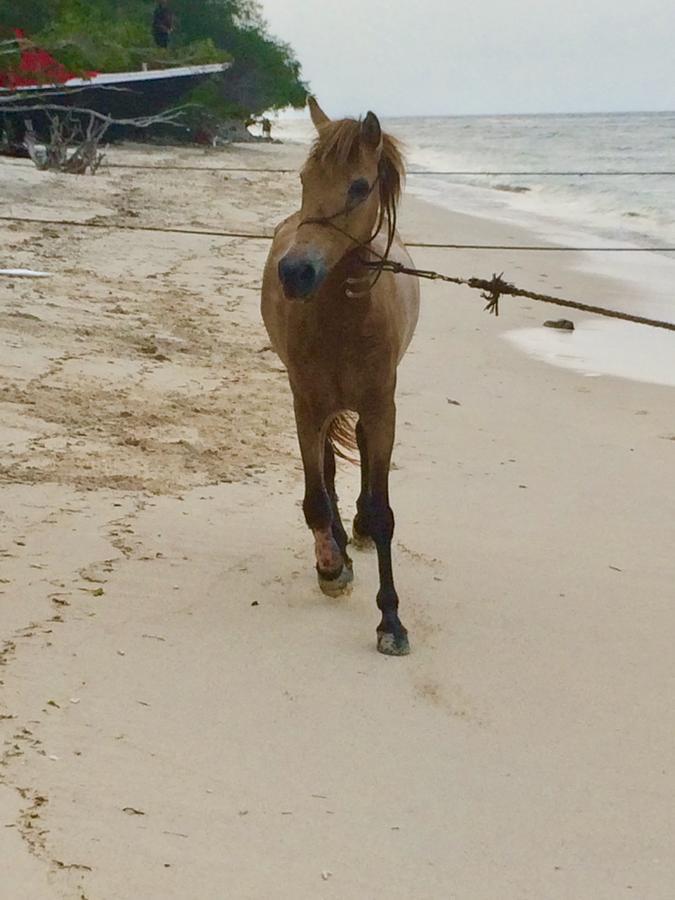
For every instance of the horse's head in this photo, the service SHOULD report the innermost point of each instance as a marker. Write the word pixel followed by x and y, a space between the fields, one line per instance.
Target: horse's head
pixel 351 177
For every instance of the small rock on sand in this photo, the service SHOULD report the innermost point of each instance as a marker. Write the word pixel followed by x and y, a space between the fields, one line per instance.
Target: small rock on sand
pixel 562 324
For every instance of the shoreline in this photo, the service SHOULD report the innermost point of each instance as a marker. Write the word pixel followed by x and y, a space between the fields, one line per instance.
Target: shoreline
pixel 184 714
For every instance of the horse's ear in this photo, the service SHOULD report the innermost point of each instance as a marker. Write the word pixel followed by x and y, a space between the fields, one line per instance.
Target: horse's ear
pixel 371 132
pixel 319 117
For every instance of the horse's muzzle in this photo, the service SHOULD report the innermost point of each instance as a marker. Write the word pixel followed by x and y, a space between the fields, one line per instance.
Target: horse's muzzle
pixel 301 274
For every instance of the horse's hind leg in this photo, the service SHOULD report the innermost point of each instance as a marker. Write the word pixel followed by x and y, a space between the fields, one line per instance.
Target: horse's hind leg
pixel 333 574
pixel 392 637
pixel 360 534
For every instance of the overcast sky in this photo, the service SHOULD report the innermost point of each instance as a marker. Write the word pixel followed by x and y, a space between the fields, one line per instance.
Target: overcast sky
pixel 444 57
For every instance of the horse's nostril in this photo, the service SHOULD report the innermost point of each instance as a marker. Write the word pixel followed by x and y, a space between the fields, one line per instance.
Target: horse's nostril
pixel 307 273
pixel 298 276
pixel 285 269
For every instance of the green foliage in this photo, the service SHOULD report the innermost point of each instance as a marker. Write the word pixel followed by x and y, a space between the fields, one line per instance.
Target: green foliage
pixel 265 74
pixel 81 39
pixel 31 15
pixel 115 35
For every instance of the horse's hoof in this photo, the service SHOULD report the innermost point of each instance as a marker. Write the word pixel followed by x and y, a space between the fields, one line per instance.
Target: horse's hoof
pixel 362 541
pixel 333 587
pixel 392 644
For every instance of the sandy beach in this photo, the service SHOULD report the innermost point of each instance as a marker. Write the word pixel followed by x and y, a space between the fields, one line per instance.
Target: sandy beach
pixel 182 713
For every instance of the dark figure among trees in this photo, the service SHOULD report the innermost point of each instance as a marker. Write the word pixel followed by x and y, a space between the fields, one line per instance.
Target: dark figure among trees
pixel 163 22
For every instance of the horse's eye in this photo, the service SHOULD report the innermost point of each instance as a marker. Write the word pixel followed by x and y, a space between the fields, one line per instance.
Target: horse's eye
pixel 358 190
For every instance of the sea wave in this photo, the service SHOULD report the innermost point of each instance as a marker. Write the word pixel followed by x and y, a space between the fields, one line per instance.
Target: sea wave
pixel 635 208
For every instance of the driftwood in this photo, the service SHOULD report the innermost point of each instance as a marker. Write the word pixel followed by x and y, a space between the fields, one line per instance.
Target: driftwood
pixel 75 135
pixel 70 148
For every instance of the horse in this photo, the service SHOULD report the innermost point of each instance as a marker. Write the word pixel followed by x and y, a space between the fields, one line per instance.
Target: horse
pixel 340 323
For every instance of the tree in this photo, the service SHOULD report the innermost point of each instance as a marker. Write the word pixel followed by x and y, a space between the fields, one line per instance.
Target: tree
pixel 265 73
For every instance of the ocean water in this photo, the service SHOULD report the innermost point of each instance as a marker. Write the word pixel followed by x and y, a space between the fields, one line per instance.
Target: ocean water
pixel 633 209
pixel 590 210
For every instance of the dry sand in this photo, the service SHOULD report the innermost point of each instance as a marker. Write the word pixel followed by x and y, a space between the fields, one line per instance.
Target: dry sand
pixel 183 715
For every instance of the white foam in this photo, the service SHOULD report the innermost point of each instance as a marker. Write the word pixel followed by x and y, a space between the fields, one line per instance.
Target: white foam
pixel 604 347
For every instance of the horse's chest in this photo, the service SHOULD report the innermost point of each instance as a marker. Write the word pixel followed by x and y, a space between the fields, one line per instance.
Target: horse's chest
pixel 338 357
pixel 338 344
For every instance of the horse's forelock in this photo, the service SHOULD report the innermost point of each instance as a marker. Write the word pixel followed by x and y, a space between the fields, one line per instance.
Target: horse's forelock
pixel 392 169
pixel 339 144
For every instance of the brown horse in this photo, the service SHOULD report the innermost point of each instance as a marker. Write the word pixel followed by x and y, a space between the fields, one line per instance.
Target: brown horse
pixel 341 326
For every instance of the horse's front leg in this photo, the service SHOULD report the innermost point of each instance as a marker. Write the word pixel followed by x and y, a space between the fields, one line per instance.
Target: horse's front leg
pixel 377 520
pixel 339 532
pixel 333 574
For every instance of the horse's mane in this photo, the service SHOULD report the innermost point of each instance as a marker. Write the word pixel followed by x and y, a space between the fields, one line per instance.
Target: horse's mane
pixel 339 144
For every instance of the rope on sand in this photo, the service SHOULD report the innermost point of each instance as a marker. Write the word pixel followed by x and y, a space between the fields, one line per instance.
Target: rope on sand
pixel 208 232
pixel 491 290
pixel 599 173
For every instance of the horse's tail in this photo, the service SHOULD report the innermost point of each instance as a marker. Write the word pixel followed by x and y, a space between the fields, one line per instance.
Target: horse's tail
pixel 342 436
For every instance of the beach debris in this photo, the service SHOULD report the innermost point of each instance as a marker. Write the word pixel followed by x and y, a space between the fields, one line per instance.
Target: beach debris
pixel 512 188
pixel 79 866
pixel 561 324
pixel 74 700
pixel 132 811
pixel 24 273
pixel 453 402
pixel 325 875
pixel 121 652
pixel 53 757
pixel 93 573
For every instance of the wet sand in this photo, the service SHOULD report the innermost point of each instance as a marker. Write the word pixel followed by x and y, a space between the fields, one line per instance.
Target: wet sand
pixel 182 713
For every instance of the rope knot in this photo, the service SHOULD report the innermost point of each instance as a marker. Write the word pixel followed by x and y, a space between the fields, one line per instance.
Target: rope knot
pixel 491 290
